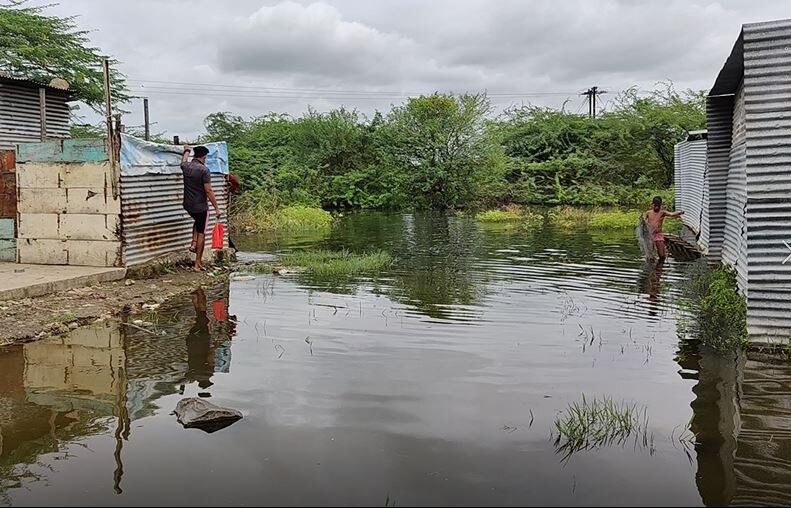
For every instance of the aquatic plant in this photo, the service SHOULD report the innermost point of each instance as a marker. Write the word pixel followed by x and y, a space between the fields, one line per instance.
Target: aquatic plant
pixel 498 216
pixel 255 212
pixel 329 263
pixel 600 422
pixel 711 295
pixel 617 219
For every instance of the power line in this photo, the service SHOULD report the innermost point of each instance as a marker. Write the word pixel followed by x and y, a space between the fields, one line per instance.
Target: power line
pixel 269 89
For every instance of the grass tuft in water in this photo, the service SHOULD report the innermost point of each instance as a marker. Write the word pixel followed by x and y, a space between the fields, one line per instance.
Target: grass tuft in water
pixel 255 212
pixel 600 422
pixel 613 220
pixel 332 263
pixel 510 215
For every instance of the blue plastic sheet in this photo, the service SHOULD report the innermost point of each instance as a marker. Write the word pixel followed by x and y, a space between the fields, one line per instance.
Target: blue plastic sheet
pixel 140 157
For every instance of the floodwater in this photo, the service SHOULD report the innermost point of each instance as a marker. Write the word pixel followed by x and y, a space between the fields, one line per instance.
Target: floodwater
pixel 435 383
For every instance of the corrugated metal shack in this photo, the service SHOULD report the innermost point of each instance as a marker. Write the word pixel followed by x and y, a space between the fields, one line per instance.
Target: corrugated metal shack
pixel 748 175
pixel 77 206
pixel 691 191
pixel 153 220
pixel 29 111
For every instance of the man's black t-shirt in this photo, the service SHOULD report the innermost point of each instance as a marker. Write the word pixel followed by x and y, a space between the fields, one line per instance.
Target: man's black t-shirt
pixel 195 175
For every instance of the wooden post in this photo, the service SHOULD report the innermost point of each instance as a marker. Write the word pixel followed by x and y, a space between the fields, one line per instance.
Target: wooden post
pixel 176 140
pixel 145 118
pixel 42 109
pixel 108 113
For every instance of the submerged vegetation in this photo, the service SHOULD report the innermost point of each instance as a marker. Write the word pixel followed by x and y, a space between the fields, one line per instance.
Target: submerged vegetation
pixel 617 219
pixel 711 294
pixel 328 263
pixel 600 422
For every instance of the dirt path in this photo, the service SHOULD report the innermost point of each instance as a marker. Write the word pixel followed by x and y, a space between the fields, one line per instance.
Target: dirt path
pixel 32 318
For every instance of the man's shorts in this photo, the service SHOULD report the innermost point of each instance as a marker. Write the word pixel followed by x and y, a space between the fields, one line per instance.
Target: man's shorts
pixel 200 220
pixel 658 237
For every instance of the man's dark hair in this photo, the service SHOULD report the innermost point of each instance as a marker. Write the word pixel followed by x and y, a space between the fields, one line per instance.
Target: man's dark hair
pixel 657 200
pixel 200 151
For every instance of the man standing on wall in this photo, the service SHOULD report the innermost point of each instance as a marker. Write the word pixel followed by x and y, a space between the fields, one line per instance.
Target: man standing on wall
pixel 197 190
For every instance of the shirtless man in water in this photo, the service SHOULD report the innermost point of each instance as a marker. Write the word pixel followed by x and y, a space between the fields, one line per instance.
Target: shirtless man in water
pixel 655 216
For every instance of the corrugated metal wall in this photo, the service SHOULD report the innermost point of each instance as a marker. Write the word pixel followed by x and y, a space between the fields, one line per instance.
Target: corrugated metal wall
pixel 154 222
pixel 767 84
pixel 734 243
pixel 20 119
pixel 691 193
pixel 719 124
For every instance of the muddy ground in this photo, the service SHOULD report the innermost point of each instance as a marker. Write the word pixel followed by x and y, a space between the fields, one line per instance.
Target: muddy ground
pixel 33 318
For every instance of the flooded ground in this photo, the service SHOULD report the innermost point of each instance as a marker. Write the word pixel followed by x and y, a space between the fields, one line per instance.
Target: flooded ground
pixel 436 382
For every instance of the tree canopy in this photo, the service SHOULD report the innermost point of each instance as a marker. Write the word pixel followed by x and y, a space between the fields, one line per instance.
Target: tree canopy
pixel 39 47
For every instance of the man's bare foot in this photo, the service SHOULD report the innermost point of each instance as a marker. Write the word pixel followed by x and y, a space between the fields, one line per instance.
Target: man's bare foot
pixel 198 269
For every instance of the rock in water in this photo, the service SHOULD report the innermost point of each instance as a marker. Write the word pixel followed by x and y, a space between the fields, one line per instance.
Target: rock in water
pixel 199 413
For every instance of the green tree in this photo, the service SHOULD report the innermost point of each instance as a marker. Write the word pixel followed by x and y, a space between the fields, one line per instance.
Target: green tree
pixel 39 47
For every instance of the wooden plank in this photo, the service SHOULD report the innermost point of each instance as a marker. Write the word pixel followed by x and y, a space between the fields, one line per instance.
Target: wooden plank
pixel 42 110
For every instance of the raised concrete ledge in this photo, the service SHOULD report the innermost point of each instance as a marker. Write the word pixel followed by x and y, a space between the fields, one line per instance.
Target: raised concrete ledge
pixel 18 281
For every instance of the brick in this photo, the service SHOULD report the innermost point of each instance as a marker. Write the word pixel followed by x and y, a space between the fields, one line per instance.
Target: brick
pixel 44 252
pixel 93 253
pixel 96 200
pixel 38 175
pixel 41 201
pixel 79 226
pixel 85 175
pixel 38 225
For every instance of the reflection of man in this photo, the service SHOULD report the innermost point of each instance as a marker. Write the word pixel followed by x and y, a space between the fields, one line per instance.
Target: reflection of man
pixel 650 282
pixel 200 357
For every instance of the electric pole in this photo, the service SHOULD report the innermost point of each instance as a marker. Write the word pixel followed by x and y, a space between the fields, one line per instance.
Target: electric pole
pixel 592 92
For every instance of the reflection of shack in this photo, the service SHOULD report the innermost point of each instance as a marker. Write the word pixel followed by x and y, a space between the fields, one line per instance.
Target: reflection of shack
pixel 741 421
pixel 78 204
pixel 745 188
pixel 56 390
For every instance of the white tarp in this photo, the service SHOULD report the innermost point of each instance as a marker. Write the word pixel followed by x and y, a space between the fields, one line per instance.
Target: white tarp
pixel 140 157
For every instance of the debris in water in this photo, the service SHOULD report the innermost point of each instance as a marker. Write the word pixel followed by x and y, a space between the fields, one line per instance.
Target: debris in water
pixel 150 306
pixel 198 413
pixel 239 278
pixel 128 282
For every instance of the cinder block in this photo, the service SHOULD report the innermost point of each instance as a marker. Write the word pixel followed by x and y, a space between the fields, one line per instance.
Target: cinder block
pixel 86 175
pixel 69 150
pixel 6 229
pixel 43 252
pixel 38 225
pixel 95 200
pixel 39 175
pixel 41 201
pixel 8 250
pixel 79 226
pixel 94 253
pixel 89 336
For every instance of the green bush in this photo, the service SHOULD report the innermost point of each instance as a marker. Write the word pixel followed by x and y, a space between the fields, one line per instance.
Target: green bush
pixel 719 308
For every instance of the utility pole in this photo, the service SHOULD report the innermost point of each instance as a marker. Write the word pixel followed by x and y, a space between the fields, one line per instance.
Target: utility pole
pixel 592 92
pixel 145 118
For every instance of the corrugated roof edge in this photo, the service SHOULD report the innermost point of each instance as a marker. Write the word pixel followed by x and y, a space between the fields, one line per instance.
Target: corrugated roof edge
pixel 4 78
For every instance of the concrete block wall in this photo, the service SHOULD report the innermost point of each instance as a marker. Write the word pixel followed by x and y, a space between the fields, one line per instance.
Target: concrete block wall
pixel 7 206
pixel 66 212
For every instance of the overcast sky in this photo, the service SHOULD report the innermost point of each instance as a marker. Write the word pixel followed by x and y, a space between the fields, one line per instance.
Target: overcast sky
pixel 250 57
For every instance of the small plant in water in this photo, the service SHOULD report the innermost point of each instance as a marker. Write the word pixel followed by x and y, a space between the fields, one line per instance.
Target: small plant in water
pixel 601 422
pixel 613 220
pixel 330 263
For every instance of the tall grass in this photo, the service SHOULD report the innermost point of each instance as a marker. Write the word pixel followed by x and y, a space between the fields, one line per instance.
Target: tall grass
pixel 618 219
pixel 329 263
pixel 600 422
pixel 510 215
pixel 256 212
pixel 720 311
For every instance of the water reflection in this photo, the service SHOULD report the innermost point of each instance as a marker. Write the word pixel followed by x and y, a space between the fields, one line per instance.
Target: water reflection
pixel 98 379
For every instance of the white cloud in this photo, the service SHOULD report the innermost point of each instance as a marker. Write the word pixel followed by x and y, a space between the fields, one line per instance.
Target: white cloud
pixel 403 46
